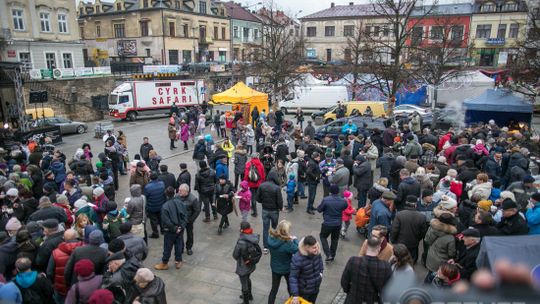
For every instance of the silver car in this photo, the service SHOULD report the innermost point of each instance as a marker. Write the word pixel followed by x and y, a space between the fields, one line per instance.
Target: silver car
pixel 66 126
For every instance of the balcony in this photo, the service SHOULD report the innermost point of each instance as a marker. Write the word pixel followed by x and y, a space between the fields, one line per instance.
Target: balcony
pixel 206 40
pixel 5 34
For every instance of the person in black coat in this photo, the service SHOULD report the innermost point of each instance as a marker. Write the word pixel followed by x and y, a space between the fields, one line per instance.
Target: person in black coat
pixel 409 227
pixel 282 150
pixel 466 258
pixel 313 177
pixel 511 223
pixel 53 238
pixel 428 138
pixel 167 178
pixel 184 177
pixel 205 181
pixel 348 162
pixel 408 186
pixel 224 196
pixel 483 222
pixel 362 179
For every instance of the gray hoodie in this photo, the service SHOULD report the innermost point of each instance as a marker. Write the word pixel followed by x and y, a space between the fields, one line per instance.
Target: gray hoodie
pixel 135 206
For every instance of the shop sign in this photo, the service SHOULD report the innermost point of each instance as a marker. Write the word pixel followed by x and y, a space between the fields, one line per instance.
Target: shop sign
pixel 11 53
pixel 495 41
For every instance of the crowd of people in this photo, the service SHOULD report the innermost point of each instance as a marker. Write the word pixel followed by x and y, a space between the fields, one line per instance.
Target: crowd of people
pixel 415 195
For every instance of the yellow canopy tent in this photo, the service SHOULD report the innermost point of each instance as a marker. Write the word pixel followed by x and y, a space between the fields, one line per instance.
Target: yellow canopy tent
pixel 244 96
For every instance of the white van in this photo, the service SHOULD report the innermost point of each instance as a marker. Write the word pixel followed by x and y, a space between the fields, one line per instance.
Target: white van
pixel 313 98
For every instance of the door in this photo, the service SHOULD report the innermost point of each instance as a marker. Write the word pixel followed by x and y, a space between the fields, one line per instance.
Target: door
pixel 328 54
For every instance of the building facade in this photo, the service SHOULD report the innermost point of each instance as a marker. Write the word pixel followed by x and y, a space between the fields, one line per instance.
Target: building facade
pixel 497 27
pixel 246 32
pixel 327 32
pixel 42 34
pixel 154 31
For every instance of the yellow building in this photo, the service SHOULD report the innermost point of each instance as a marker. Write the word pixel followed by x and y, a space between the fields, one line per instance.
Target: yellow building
pixel 497 27
pixel 327 32
pixel 154 32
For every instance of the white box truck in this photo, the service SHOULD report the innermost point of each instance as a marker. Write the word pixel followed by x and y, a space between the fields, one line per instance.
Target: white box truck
pixel 139 98
pixel 313 98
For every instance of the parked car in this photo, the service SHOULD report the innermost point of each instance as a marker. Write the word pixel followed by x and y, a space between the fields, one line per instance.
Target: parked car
pixel 314 62
pixel 409 109
pixel 334 128
pixel 67 126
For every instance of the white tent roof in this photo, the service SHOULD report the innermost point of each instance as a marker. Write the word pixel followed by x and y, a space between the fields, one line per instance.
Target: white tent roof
pixel 476 77
pixel 310 80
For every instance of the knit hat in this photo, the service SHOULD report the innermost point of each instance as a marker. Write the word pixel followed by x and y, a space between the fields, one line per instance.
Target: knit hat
pixel 12 192
pixel 116 245
pixel 98 191
pixel 411 200
pixel 339 161
pixel 508 204
pixel 13 224
pixel 347 194
pixel 447 218
pixel 203 164
pixel 96 238
pixel 427 192
pixel 101 296
pixel 80 203
pixel 44 204
pixel 50 223
pixel 48 187
pixel 144 275
pixel 334 189
pixel 508 194
pixel 485 205
pixel 360 158
pixel 528 179
pixel 84 267
pixel 471 232
pixel 447 202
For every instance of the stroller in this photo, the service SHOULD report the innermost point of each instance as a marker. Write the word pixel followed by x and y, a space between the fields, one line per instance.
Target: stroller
pixel 362 220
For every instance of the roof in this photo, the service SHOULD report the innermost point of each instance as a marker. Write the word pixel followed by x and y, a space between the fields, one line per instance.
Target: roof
pixel 239 93
pixel 339 11
pixel 498 101
pixel 445 9
pixel 236 11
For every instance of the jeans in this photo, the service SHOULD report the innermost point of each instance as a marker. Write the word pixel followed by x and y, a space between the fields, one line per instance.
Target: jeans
pixel 269 217
pixel 312 191
pixel 245 282
pixel 121 167
pixel 189 235
pixel 290 199
pixel 155 221
pixel 206 199
pixel 276 280
pixel 362 198
pixel 253 202
pixel 333 232
pixel 172 239
pixel 301 189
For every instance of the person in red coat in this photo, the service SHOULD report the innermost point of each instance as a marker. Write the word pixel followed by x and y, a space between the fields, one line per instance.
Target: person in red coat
pixel 58 261
pixel 255 177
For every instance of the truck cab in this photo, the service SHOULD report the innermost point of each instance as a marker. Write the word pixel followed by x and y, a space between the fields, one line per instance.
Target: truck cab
pixel 121 102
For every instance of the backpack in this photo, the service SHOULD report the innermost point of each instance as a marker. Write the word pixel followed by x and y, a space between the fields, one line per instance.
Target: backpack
pixel 253 174
pixel 29 295
pixel 253 253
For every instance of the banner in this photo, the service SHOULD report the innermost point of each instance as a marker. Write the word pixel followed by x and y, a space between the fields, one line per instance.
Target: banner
pixel 83 72
pixel 104 70
pixel 156 69
pixel 35 74
pixel 217 68
pixel 126 47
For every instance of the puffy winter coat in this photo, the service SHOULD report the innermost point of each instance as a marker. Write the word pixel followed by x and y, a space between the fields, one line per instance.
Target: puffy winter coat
pixel 306 272
pixel 153 293
pixel 442 245
pixel 332 208
pixel 243 268
pixel 60 258
pixel 362 176
pixel 154 192
pixel 240 160
pixel 135 206
pixel 533 219
pixel 408 186
pixel 260 169
pixel 269 193
pixel 340 178
pixel 205 181
pixel 482 191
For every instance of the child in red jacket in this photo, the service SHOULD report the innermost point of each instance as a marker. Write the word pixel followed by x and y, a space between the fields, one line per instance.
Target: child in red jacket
pixel 346 215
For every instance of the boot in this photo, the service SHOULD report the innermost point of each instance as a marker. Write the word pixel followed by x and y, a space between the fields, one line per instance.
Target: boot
pixel 246 298
pixel 161 266
pixel 206 220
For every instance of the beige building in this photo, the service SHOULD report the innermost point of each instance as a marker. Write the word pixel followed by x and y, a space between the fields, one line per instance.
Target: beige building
pixel 154 32
pixel 497 27
pixel 327 32
pixel 42 34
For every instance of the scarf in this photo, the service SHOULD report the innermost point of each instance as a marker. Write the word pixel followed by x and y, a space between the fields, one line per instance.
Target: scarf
pixel 247 231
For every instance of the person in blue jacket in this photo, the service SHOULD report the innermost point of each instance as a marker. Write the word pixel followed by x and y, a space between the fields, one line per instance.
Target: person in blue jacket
pixel 306 270
pixel 349 128
pixel 332 208
pixel 282 247
pixel 154 192
pixel 533 214
pixel 380 211
pixel 221 167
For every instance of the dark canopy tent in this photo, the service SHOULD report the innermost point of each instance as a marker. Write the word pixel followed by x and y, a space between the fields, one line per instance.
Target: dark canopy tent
pixel 516 249
pixel 500 105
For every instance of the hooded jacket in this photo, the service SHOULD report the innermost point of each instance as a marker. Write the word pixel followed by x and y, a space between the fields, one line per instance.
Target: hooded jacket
pixel 86 286
pixel 281 253
pixel 153 293
pixel 8 256
pixel 205 181
pixel 57 265
pixel 199 152
pixel 442 245
pixel 269 193
pixel 481 191
pixel 135 205
pixel 260 170
pixel 35 289
pixel 306 271
pixel 245 197
pixel 408 186
pixel 385 163
pixel 135 245
pixel 243 268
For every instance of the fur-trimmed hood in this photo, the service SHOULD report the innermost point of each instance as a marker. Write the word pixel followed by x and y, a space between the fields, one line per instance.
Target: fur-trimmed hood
pixel 438 211
pixel 380 187
pixel 302 248
pixel 442 228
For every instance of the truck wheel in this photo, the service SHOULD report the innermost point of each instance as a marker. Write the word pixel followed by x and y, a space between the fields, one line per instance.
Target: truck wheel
pixel 284 110
pixel 131 116
pixel 329 120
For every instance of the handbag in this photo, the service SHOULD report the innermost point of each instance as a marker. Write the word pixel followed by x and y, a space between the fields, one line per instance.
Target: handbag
pixel 300 300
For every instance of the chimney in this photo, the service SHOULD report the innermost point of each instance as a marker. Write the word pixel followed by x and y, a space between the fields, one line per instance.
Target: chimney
pixel 351 3
pixel 332 4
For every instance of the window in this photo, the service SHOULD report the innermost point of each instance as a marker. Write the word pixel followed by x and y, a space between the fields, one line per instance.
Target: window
pixel 144 28
pixel 235 32
pixel 347 54
pixel 18 21
pixel 173 56
pixel 376 30
pixel 211 56
pixel 385 31
pixel 147 52
pixel 81 31
pixel 487 8
pixel 311 31
pixel 177 4
pixel 223 33
pixel 367 30
pixel 245 34
pixel 186 56
pixel 50 59
pixel 255 33
pixel 457 33
pixel 119 6
pixel 216 32
pixel 67 60
pixel 501 31
pixel 98 30
pixel 45 21
pixel 172 29
pixel 185 28
pixel 436 33
pixel 145 3
pixel 328 54
pixel 417 35
pixel 514 30
pixel 222 56
pixel 202 7
pixel 25 59
pixel 119 30
pixel 510 7
pixel 483 31
pixel 62 23
pixel 329 31
pixel 348 30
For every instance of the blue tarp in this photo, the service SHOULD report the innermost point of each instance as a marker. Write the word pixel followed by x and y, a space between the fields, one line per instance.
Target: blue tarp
pixel 500 105
pixel 412 98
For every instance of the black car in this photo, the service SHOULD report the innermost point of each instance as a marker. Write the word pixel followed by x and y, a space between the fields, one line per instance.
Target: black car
pixel 334 128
